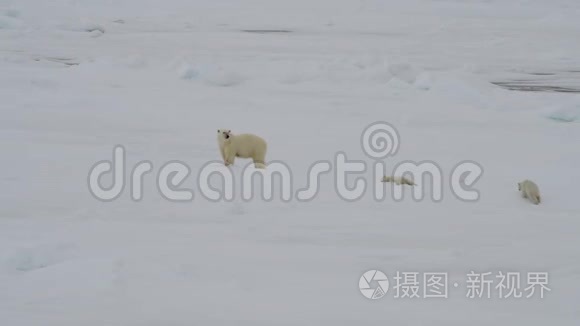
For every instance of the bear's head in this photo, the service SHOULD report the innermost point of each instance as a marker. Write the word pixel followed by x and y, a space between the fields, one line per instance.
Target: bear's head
pixel 225 133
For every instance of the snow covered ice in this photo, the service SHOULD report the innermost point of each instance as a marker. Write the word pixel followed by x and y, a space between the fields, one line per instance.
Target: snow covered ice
pixel 493 82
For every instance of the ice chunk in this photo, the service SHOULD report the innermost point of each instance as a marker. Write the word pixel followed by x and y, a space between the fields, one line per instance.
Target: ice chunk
pixel 567 113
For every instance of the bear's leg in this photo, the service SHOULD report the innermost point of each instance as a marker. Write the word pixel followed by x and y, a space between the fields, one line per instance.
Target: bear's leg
pixel 259 160
pixel 259 164
pixel 223 155
pixel 230 157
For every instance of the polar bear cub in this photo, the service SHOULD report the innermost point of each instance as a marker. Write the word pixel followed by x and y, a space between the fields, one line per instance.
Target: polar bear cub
pixel 529 190
pixel 398 180
pixel 243 146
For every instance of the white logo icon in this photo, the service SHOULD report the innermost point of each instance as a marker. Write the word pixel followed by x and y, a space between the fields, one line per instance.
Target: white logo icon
pixel 380 281
pixel 380 140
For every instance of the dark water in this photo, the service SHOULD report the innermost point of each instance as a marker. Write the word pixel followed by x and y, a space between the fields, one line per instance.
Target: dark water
pixel 266 31
pixel 548 81
pixel 526 87
pixel 64 61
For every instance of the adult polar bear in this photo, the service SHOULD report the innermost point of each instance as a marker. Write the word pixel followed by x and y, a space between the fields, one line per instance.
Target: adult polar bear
pixel 243 146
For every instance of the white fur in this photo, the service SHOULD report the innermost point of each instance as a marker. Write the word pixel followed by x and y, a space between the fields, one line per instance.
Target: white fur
pixel 530 190
pixel 242 146
pixel 398 180
pixel 221 137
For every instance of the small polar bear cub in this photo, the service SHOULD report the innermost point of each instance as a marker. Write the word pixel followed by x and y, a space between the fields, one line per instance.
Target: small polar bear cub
pixel 242 146
pixel 529 190
pixel 398 180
